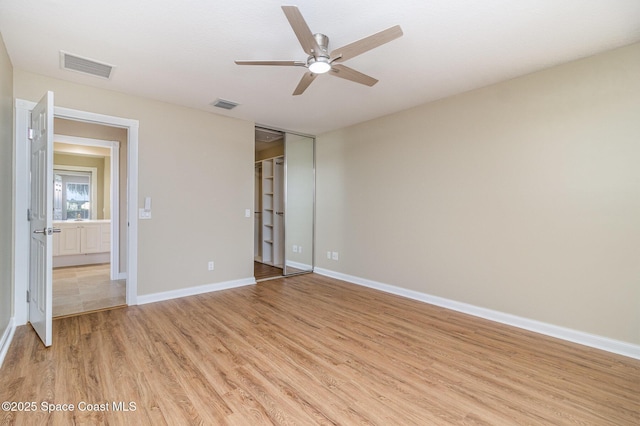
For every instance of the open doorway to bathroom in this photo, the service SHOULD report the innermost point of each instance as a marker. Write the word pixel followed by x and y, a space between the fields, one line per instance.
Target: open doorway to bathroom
pixel 89 269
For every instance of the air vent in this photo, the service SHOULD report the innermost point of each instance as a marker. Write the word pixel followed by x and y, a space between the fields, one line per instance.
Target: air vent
pixel 224 104
pixel 85 65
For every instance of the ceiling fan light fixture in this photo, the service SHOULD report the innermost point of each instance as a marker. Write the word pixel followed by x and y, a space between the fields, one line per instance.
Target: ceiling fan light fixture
pixel 319 65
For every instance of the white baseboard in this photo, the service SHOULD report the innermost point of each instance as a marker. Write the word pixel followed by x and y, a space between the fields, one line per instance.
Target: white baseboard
pixel 587 339
pixel 81 259
pixel 191 291
pixel 298 265
pixel 5 340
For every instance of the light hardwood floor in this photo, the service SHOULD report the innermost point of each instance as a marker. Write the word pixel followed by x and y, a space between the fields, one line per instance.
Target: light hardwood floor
pixel 312 350
pixel 262 271
pixel 79 289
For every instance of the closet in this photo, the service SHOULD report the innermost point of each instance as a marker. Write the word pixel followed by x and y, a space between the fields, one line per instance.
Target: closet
pixel 269 244
pixel 284 203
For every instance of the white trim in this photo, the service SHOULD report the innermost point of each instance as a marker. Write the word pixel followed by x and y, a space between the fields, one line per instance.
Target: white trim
pixel 582 338
pixel 21 198
pixel 21 192
pixel 80 259
pixel 6 339
pixel 114 147
pixel 302 266
pixel 191 291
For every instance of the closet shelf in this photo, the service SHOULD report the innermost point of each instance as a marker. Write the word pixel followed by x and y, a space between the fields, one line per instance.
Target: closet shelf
pixel 271 236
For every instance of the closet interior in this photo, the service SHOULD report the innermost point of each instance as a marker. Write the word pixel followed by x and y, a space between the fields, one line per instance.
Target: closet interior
pixel 269 204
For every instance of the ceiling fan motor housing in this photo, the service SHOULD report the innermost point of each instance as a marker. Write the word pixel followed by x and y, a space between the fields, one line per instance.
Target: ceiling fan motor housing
pixel 319 62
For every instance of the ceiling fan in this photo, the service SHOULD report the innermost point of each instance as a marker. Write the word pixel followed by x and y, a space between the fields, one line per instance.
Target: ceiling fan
pixel 320 61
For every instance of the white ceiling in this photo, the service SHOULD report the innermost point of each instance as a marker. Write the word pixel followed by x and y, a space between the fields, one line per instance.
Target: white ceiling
pixel 183 51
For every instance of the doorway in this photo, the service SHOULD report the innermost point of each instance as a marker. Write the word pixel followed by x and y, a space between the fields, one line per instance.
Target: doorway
pixel 284 229
pixel 128 209
pixel 269 204
pixel 86 253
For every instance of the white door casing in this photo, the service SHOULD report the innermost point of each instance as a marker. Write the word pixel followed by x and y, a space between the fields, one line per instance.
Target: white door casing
pixel 41 219
pixel 23 110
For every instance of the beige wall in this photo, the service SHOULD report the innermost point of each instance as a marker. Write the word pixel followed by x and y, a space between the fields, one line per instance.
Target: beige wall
pixel 6 188
pixel 198 169
pixel 522 197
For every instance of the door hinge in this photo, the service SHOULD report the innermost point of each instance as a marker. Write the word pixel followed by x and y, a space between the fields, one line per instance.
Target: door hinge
pixel 30 134
pixel 28 215
pixel 28 296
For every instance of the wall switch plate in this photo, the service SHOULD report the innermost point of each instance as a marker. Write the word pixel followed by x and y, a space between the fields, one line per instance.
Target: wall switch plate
pixel 211 265
pixel 144 214
pixel 334 255
pixel 247 212
pixel 329 255
pixel 295 248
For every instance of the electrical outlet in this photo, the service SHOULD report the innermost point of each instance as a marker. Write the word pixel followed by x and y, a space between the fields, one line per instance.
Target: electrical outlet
pixel 211 265
pixel 334 255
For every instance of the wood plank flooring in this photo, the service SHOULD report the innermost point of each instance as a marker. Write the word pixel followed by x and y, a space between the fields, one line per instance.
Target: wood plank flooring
pixel 311 350
pixel 79 289
pixel 262 271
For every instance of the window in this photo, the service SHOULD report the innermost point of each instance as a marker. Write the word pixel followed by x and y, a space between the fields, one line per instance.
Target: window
pixel 78 200
pixel 72 195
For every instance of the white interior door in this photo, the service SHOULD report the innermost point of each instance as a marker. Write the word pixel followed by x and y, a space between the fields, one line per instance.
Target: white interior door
pixel 41 219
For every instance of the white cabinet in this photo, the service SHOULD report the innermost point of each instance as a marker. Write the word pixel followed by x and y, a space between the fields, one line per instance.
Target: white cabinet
pixel 105 237
pixel 90 235
pixel 76 240
pixel 69 239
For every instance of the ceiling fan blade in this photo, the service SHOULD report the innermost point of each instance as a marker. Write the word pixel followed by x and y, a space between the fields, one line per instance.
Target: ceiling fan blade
pixel 364 45
pixel 304 83
pixel 350 74
pixel 300 27
pixel 277 63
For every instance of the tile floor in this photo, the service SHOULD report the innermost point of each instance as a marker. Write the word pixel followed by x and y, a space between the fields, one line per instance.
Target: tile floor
pixel 85 288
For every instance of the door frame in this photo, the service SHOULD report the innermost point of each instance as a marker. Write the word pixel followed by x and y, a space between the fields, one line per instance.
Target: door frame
pixel 114 148
pixel 21 199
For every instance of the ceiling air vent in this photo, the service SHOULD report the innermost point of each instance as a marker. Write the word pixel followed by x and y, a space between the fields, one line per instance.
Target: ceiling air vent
pixel 85 66
pixel 224 104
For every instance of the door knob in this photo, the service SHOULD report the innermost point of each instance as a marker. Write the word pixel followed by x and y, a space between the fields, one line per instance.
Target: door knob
pixel 48 231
